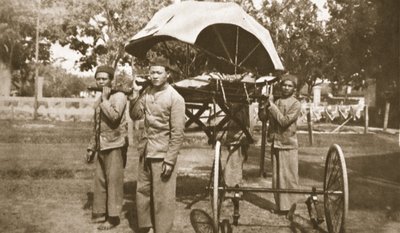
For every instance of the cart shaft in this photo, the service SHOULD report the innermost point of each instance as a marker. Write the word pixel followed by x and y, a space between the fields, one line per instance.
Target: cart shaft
pixel 274 190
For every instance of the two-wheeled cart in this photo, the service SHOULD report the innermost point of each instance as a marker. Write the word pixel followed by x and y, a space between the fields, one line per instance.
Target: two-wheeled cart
pixel 334 191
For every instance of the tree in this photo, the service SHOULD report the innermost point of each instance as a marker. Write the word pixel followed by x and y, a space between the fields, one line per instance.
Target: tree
pixel 298 35
pixel 59 83
pixel 17 40
pixel 351 30
pixel 365 37
pixel 386 55
pixel 100 29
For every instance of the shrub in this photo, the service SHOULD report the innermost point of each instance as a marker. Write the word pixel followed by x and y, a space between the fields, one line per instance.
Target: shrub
pixel 59 83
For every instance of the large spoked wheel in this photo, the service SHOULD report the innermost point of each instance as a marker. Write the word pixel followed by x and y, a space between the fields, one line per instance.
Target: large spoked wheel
pixel 216 182
pixel 336 191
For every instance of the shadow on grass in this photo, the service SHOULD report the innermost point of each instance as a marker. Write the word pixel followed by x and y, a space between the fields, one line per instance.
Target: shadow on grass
pixel 130 205
pixel 374 182
pixel 191 190
pixel 367 179
pixel 258 201
pixel 383 166
pixel 301 224
pixel 43 173
pixel 89 201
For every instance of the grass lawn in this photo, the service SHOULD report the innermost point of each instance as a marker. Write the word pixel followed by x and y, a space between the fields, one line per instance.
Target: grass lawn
pixel 46 186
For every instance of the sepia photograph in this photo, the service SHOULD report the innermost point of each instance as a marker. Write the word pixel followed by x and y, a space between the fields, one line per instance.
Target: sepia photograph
pixel 192 116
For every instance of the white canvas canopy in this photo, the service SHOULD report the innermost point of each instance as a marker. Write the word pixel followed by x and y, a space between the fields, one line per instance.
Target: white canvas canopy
pixel 222 30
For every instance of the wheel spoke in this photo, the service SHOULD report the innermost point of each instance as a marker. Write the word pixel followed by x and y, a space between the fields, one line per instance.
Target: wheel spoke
pixel 337 206
pixel 335 180
pixel 336 186
pixel 201 221
pixel 331 165
pixel 332 178
pixel 335 211
pixel 337 221
pixel 331 158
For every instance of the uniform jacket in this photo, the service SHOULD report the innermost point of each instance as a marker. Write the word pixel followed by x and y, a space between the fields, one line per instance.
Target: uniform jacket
pixel 163 112
pixel 282 129
pixel 113 125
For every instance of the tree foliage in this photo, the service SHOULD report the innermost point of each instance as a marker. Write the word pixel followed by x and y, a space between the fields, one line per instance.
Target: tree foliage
pixel 18 38
pixel 18 33
pixel 351 30
pixel 99 29
pixel 59 83
pixel 365 36
pixel 298 36
pixel 359 41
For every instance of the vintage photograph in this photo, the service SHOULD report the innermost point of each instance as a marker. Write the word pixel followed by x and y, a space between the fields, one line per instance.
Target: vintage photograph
pixel 183 116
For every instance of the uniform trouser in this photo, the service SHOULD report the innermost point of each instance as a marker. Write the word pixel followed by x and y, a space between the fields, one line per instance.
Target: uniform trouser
pixel 284 175
pixel 233 171
pixel 233 175
pixel 155 196
pixel 108 183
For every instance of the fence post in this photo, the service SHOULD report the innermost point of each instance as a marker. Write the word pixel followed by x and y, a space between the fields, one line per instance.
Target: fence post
pixel 62 110
pixel 309 123
pixel 12 111
pixel 366 119
pixel 386 117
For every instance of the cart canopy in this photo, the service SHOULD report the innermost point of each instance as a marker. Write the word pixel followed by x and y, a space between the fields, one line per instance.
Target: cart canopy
pixel 223 30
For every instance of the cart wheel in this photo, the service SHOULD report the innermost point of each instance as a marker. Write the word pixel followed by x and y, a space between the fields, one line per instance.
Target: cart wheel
pixel 336 192
pixel 216 182
pixel 201 221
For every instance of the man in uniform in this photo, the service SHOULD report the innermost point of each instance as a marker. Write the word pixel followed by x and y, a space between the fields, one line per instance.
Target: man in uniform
pixel 163 111
pixel 110 143
pixel 237 144
pixel 283 116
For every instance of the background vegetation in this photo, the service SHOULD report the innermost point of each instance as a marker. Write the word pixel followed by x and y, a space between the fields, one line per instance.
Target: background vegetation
pixel 359 42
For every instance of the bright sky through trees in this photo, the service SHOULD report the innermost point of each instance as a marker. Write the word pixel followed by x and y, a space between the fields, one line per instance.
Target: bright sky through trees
pixel 66 58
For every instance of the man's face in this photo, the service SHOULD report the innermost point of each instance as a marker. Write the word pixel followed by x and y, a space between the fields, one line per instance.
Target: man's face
pixel 103 79
pixel 158 76
pixel 288 88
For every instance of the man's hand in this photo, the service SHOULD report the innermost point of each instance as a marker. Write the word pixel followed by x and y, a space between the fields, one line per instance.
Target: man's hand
pixel 263 102
pixel 166 170
pixel 135 91
pixel 136 87
pixel 106 93
pixel 90 156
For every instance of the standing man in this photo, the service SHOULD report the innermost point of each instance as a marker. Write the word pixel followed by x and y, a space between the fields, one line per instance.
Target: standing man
pixel 238 145
pixel 110 144
pixel 163 111
pixel 283 116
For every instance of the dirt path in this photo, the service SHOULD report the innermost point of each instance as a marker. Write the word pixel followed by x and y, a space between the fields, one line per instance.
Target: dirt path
pixel 47 188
